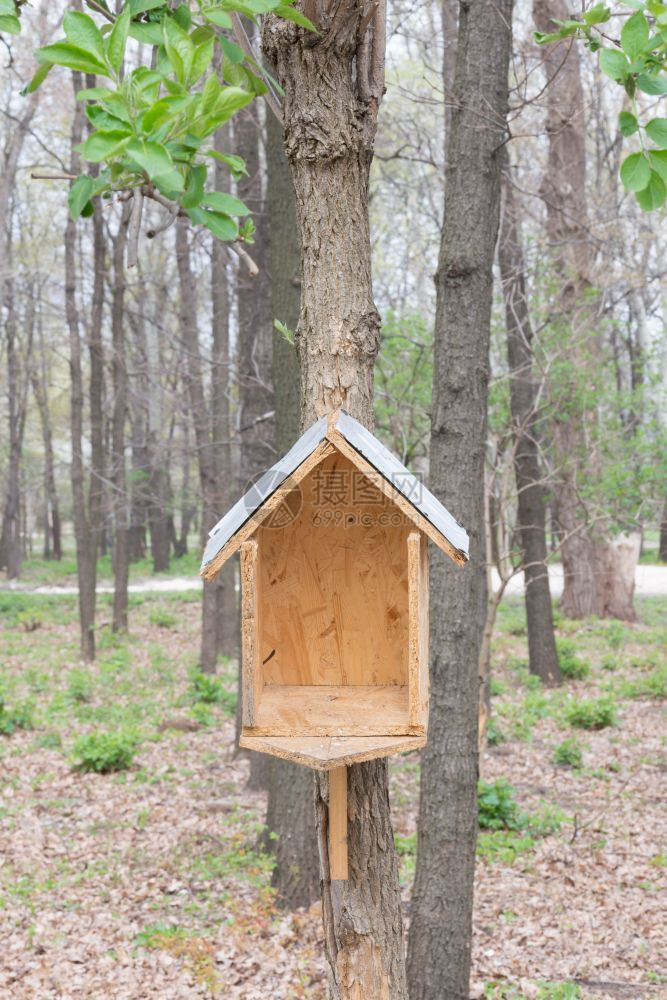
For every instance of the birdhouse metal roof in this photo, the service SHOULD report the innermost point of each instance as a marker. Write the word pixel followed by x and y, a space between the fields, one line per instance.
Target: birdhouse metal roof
pixel 439 524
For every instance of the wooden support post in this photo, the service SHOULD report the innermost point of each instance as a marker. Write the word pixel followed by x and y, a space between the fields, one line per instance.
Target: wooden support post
pixel 338 823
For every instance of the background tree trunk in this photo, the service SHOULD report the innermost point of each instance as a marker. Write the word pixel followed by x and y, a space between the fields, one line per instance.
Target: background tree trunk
pixel 39 380
pixel 441 921
pixel 290 812
pixel 542 654
pixel 121 551
pixel 202 425
pixel 330 108
pixel 564 193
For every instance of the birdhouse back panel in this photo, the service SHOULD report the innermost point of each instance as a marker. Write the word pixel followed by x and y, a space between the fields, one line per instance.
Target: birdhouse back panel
pixel 335 612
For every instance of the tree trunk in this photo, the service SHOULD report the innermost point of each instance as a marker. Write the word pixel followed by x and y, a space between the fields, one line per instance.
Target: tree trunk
pixel 621 556
pixel 564 192
pixel 85 542
pixel 202 425
pixel 121 552
pixel 542 654
pixel 333 85
pixel 441 924
pixel 290 812
pixel 52 529
pixel 224 635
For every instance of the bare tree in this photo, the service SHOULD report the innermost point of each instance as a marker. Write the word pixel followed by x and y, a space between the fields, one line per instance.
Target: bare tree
pixel 441 922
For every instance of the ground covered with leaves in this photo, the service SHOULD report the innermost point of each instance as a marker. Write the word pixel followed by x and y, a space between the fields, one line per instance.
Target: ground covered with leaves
pixel 129 865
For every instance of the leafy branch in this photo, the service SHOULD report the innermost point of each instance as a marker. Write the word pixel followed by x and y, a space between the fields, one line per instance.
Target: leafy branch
pixel 637 62
pixel 152 125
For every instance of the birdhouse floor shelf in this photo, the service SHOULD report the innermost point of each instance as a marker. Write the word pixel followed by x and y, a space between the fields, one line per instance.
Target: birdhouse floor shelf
pixel 326 752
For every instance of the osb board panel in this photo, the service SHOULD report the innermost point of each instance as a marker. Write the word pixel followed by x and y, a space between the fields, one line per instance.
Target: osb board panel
pixel 334 585
pixel 250 629
pixel 326 752
pixel 418 628
pixel 333 711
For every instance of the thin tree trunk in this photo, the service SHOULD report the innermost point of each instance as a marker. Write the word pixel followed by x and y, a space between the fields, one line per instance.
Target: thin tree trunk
pixel 52 528
pixel 85 546
pixel 333 84
pixel 121 552
pixel 662 549
pixel 290 811
pixel 220 595
pixel 440 937
pixel 202 425
pixel 542 654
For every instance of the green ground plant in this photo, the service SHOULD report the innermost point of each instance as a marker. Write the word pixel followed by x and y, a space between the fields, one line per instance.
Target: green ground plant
pixel 11 719
pixel 104 753
pixel 571 664
pixel 569 754
pixel 592 713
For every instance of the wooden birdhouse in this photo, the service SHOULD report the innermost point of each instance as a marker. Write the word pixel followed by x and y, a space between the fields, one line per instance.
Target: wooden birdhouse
pixel 334 589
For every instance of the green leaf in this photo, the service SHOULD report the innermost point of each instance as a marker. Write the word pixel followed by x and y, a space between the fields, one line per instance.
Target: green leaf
pixel 220 225
pixel 653 85
pixel 72 57
pixel 202 60
pixel 658 160
pixel 141 6
pixel 194 189
pixel 627 123
pixel 37 79
pixel 236 164
pixel 233 51
pixel 635 172
pixel 291 14
pixel 614 64
pixel 149 34
pixel 543 38
pixel 180 50
pixel 80 194
pixel 597 15
pixel 104 144
pixel 209 95
pixel 219 201
pixel 653 195
pixel 82 31
pixel 10 23
pixel 94 93
pixel 101 119
pixel 634 35
pixel 656 130
pixel 154 158
pixel 117 40
pixel 7 7
pixel 220 18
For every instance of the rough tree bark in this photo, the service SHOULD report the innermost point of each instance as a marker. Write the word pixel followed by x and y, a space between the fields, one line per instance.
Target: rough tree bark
pixel 290 811
pixel 584 543
pixel 441 923
pixel 542 654
pixel 333 84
